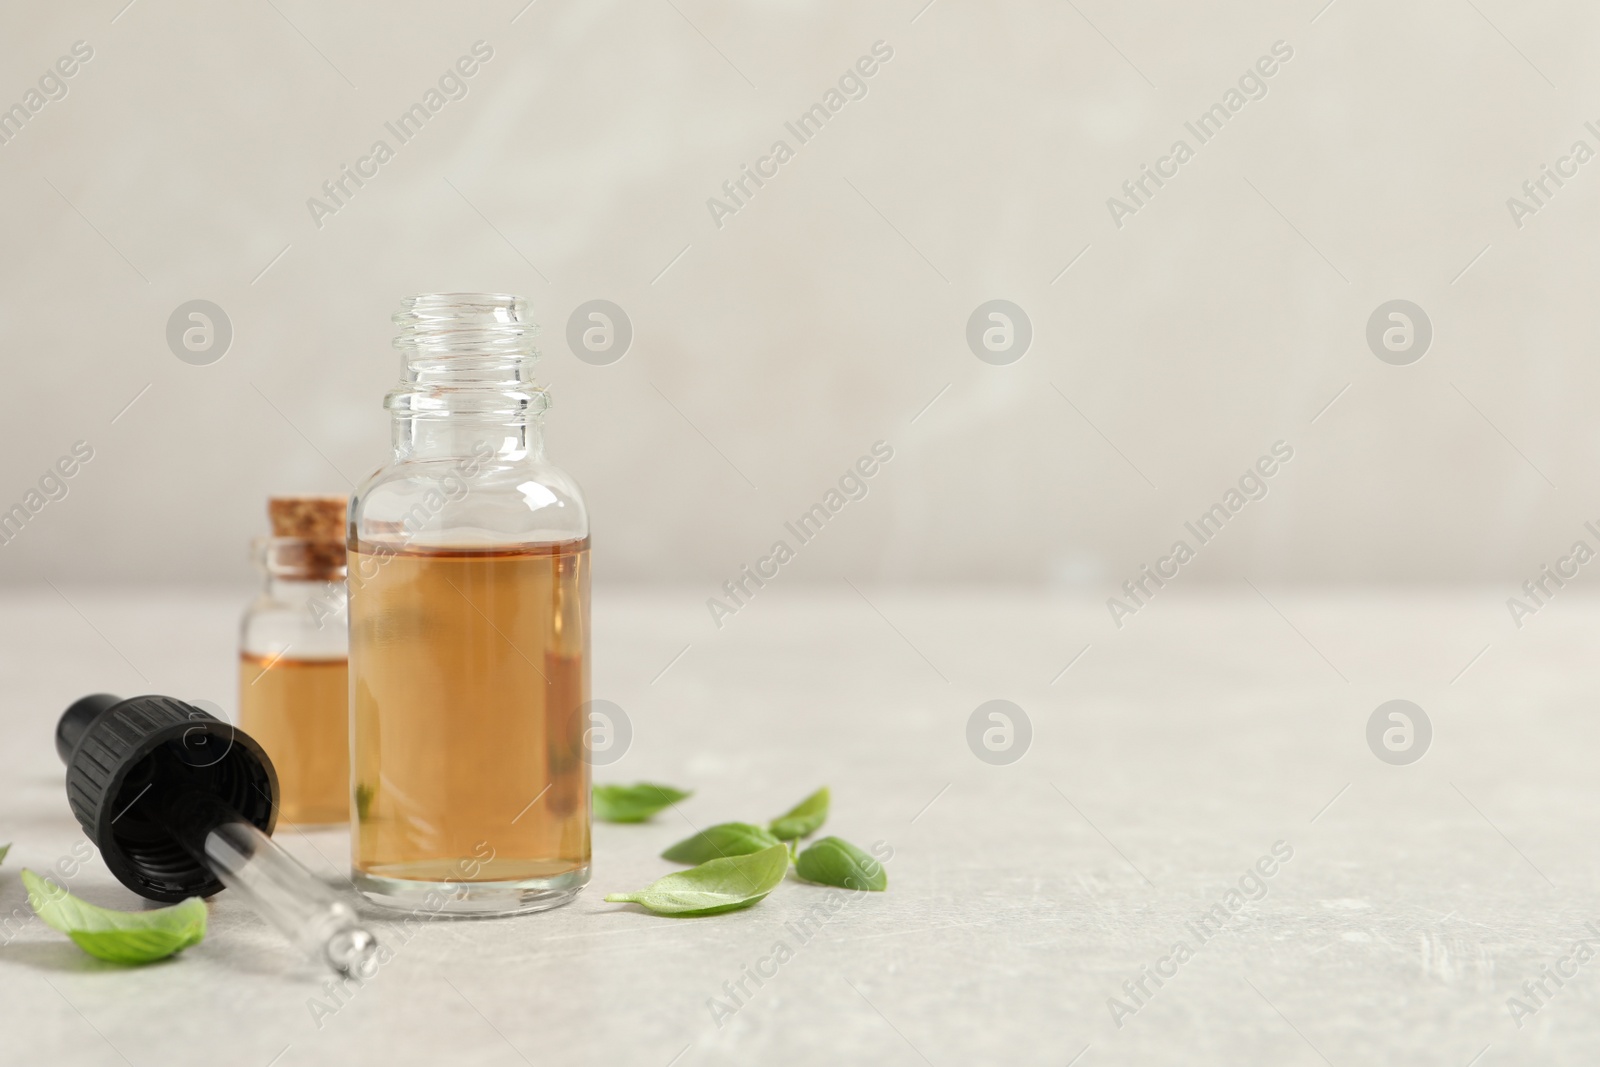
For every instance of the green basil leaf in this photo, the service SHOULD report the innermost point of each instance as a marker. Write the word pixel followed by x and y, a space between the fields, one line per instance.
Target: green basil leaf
pixel 724 839
pixel 716 886
pixel 831 861
pixel 804 819
pixel 3 850
pixel 117 936
pixel 633 803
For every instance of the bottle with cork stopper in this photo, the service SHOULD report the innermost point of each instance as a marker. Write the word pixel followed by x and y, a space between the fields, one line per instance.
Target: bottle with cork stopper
pixel 294 657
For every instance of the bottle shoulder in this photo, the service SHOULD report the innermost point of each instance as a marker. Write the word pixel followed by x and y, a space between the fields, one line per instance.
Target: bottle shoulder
pixel 477 500
pixel 310 624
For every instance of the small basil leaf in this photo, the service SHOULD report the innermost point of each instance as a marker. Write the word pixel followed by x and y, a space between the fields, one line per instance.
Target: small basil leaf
pixel 117 936
pixel 831 861
pixel 3 850
pixel 716 886
pixel 804 819
pixel 633 803
pixel 724 839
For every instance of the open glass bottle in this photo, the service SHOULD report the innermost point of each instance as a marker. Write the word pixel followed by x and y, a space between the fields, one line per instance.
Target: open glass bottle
pixel 469 630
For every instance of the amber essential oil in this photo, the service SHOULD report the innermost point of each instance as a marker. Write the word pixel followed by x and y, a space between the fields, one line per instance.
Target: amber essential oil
pixel 297 709
pixel 468 675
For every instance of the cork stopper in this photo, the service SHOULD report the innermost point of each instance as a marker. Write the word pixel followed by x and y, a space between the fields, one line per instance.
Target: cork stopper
pixel 310 518
pixel 317 523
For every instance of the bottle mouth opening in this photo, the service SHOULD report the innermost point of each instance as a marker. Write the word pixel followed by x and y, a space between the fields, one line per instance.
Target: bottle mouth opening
pixel 464 325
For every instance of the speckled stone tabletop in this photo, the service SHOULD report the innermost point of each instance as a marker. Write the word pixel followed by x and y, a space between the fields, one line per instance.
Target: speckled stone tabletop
pixel 1197 859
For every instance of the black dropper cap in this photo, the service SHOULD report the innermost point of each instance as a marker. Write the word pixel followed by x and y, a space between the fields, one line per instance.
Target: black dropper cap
pixel 148 777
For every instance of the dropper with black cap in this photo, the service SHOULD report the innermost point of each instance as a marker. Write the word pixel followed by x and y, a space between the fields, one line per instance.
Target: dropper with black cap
pixel 180 804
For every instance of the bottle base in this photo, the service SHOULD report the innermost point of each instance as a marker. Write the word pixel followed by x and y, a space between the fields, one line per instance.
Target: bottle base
pixel 468 900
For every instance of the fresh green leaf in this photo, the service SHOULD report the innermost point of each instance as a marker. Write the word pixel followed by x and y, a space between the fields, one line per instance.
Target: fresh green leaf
pixel 3 850
pixel 724 839
pixel 715 886
pixel 804 819
pixel 117 936
pixel 832 861
pixel 633 803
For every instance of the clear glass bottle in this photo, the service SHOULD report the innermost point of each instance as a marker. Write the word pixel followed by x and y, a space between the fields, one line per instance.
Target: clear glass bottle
pixel 293 651
pixel 469 630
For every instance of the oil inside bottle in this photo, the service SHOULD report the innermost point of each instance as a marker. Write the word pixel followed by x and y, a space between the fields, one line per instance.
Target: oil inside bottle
pixel 298 710
pixel 468 675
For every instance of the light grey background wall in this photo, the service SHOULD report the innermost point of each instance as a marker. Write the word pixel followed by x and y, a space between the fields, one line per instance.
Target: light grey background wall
pixel 770 351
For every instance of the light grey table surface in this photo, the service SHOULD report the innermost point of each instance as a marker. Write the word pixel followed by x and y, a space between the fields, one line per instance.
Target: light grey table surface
pixel 1164 763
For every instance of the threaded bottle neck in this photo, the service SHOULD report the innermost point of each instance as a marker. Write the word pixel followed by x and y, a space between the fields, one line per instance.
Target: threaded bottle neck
pixel 466 354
